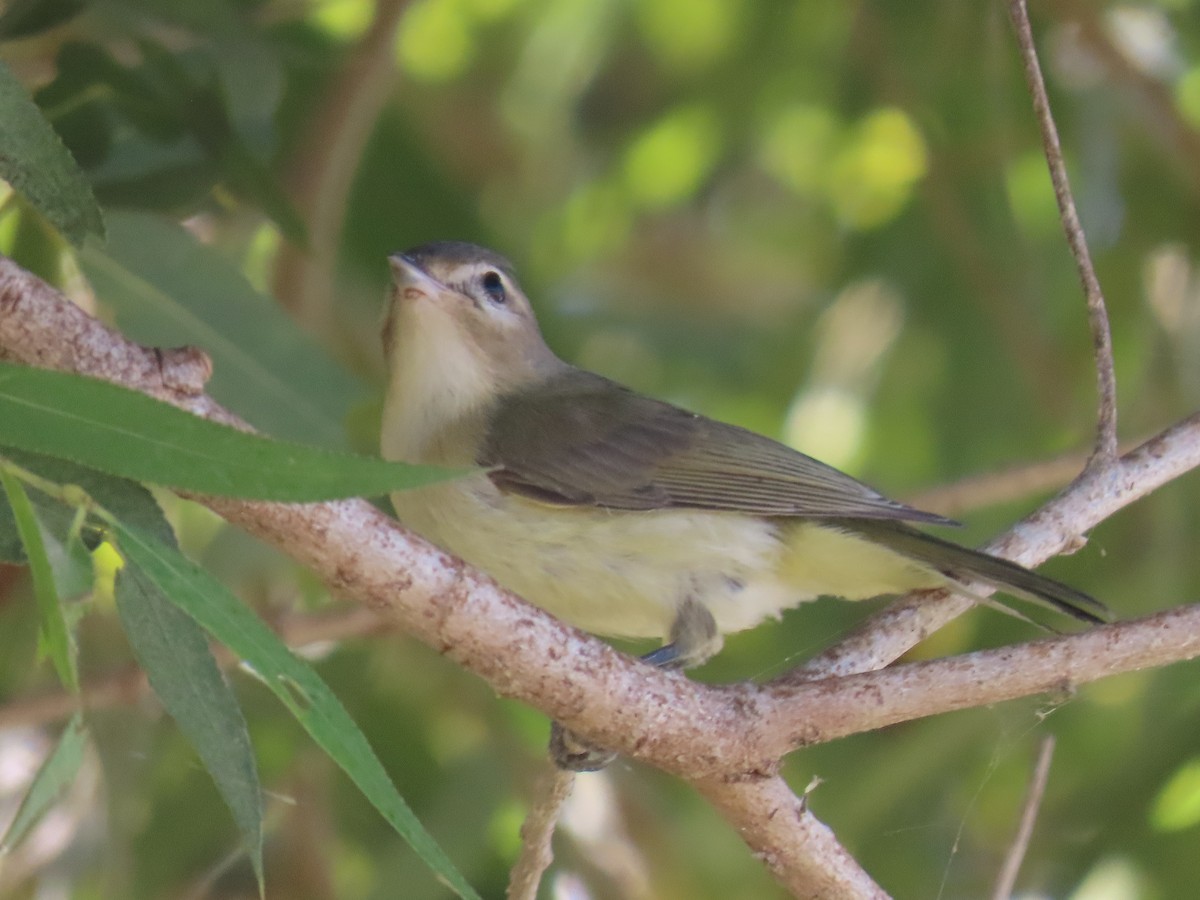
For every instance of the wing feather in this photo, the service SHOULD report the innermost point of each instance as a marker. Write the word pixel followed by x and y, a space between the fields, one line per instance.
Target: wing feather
pixel 580 439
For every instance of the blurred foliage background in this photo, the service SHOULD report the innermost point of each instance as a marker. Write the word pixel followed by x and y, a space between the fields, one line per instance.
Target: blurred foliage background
pixel 826 221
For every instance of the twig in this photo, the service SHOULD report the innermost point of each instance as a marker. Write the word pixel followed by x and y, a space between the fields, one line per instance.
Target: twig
pixel 1033 801
pixel 322 176
pixel 1153 99
pixel 1003 486
pixel 1089 500
pixel 129 685
pixel 1106 380
pixel 537 832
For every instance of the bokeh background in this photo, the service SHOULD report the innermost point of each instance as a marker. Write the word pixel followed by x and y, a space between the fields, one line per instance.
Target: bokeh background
pixel 826 221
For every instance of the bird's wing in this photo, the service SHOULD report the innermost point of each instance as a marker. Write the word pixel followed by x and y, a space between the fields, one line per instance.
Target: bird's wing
pixel 582 440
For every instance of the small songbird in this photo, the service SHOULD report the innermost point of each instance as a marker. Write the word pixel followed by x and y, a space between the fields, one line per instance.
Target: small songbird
pixel 621 514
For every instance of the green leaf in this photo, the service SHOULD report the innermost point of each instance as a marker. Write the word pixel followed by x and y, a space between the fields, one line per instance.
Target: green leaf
pixel 129 434
pixel 54 635
pixel 35 162
pixel 194 82
pixel 24 18
pixel 294 682
pixel 126 499
pixel 70 561
pixel 11 549
pixel 168 289
pixel 52 778
pixel 173 651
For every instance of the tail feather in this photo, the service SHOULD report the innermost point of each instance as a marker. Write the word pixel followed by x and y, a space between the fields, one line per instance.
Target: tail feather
pixel 960 562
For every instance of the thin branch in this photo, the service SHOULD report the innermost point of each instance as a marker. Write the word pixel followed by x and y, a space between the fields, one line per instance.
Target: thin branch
pixel 1106 379
pixel 1007 485
pixel 322 176
pixel 1153 100
pixel 1033 801
pixel 117 689
pixel 537 832
pixel 1055 527
pixel 1004 486
pixel 786 716
pixel 129 685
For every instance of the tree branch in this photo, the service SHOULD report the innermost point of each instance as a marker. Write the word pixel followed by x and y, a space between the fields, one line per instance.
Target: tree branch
pixel 1004 485
pixel 322 176
pixel 1153 99
pixel 1033 801
pixel 129 685
pixel 1106 380
pixel 801 852
pixel 537 832
pixel 728 741
pixel 1055 527
pixel 796 715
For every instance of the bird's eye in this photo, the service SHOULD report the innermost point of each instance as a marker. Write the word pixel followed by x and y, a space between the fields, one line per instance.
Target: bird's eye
pixel 493 287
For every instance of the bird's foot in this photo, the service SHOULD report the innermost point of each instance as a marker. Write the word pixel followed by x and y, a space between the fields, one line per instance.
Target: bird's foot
pixel 571 752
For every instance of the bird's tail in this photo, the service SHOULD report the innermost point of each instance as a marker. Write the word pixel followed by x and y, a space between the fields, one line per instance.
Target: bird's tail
pixel 962 563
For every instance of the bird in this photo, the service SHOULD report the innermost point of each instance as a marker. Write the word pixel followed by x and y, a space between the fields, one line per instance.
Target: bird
pixel 623 514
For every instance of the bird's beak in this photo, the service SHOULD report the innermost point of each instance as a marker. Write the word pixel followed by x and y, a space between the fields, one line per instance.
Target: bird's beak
pixel 412 282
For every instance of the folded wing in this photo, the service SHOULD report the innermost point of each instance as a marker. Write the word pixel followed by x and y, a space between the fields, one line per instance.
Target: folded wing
pixel 581 439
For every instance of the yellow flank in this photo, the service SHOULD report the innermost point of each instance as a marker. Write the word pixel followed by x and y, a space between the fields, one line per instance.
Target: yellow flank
pixel 829 562
pixel 627 573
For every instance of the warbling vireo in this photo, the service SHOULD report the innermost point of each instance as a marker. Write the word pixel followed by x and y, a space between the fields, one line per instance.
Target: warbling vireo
pixel 621 514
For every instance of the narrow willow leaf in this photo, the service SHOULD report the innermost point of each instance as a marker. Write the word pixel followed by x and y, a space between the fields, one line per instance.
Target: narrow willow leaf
pixel 167 289
pixel 35 162
pixel 294 682
pixel 11 551
pixel 58 771
pixel 127 500
pixel 129 434
pixel 70 562
pixel 54 635
pixel 173 651
pixel 24 18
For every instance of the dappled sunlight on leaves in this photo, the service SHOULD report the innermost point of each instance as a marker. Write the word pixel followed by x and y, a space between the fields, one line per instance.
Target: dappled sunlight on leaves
pixel 874 173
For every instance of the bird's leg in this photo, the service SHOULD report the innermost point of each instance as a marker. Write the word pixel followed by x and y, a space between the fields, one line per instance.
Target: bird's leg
pixel 694 640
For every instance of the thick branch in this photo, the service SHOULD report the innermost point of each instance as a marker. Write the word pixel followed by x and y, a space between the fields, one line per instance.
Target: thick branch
pixel 802 852
pixel 729 740
pixel 656 716
pixel 837 707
